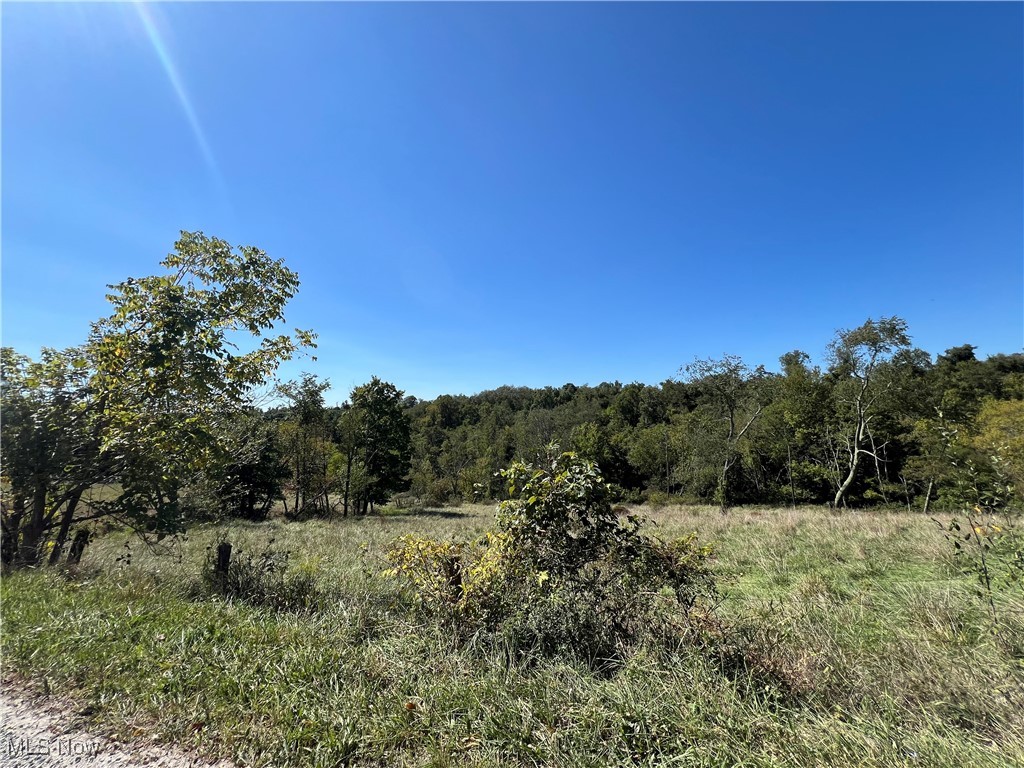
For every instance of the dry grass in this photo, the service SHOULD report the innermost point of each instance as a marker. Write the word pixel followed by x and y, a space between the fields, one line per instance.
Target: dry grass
pixel 889 655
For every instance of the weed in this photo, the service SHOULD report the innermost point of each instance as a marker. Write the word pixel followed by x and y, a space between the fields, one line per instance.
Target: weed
pixel 261 578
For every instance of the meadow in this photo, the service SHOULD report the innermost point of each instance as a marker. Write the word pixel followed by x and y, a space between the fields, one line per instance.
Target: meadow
pixel 872 645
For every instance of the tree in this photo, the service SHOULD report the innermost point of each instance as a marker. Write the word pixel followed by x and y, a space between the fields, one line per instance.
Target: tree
pixel 999 435
pixel 730 393
pixel 50 449
pixel 384 441
pixel 347 469
pixel 147 399
pixel 250 478
pixel 654 453
pixel 307 442
pixel 858 367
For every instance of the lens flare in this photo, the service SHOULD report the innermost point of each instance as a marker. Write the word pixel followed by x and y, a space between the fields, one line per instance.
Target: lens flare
pixel 163 54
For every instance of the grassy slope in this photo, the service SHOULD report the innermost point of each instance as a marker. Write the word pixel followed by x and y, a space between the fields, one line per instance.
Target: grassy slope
pixel 887 645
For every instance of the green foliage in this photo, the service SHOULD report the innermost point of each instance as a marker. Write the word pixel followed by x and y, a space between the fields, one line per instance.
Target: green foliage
pixel 146 403
pixel 559 517
pixel 248 481
pixel 306 438
pixel 166 361
pixel 382 442
pixel 732 397
pixel 816 432
pixel 49 449
pixel 562 575
pixel 999 432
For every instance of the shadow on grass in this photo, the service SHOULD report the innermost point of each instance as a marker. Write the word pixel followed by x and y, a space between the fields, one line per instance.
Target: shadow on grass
pixel 449 514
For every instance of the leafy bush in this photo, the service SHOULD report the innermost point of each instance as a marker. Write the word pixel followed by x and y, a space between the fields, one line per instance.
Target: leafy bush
pixel 562 575
pixel 452 578
pixel 989 543
pixel 658 499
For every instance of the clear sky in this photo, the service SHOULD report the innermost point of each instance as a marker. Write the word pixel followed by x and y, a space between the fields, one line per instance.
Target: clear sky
pixel 530 194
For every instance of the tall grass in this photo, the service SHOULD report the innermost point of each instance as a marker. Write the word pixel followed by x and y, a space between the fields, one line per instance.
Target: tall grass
pixel 877 652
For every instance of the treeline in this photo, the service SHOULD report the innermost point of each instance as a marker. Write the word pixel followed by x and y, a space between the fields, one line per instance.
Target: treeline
pixel 153 421
pixel 881 423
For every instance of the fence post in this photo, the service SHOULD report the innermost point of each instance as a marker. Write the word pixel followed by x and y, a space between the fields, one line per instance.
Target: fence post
pixel 223 561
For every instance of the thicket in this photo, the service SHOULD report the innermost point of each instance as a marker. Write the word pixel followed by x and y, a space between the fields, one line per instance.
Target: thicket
pixel 562 574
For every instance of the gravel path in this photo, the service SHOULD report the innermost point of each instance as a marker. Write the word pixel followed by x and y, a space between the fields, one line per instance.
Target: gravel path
pixel 40 733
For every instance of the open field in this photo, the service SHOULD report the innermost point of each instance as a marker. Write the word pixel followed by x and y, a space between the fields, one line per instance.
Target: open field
pixel 883 654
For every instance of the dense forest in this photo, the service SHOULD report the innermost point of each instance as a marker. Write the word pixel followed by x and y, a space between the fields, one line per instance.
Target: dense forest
pixel 153 421
pixel 881 423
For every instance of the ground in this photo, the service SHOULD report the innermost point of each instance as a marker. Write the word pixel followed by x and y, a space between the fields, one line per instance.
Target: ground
pixel 883 652
pixel 50 732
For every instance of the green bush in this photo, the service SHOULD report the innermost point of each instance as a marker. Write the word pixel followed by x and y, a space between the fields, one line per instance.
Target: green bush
pixel 562 575
pixel 658 499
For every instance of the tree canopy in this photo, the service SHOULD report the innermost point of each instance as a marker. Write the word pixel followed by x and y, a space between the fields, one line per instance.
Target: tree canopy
pixel 144 404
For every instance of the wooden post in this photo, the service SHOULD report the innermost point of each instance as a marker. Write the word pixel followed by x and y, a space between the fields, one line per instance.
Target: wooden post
pixel 223 561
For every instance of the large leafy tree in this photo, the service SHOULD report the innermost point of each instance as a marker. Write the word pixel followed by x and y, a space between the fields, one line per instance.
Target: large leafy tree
pixel 146 400
pixel 250 478
pixel 307 441
pixel 863 375
pixel 798 413
pixel 384 441
pixel 731 395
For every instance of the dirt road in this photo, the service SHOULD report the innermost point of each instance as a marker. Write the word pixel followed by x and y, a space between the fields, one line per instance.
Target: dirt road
pixel 45 733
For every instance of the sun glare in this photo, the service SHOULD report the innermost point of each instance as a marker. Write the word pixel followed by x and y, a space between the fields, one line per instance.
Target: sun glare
pixel 152 26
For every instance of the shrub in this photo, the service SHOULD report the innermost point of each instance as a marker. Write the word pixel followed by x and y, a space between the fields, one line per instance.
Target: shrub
pixel 658 499
pixel 562 575
pixel 453 578
pixel 990 548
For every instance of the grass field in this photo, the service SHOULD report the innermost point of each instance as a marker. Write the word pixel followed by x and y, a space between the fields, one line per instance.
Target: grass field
pixel 884 653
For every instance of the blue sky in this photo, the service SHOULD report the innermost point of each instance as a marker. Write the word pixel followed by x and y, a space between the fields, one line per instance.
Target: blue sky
pixel 485 194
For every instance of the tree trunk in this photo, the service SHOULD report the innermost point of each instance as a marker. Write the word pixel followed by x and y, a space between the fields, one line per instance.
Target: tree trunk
pixel 348 480
pixel 248 509
pixel 722 492
pixel 12 531
pixel 878 467
pixel 32 534
pixel 906 491
pixel 841 493
pixel 65 526
pixel 298 485
pixel 789 459
pixel 855 452
pixel 668 481
pixel 928 497
pixel 78 547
